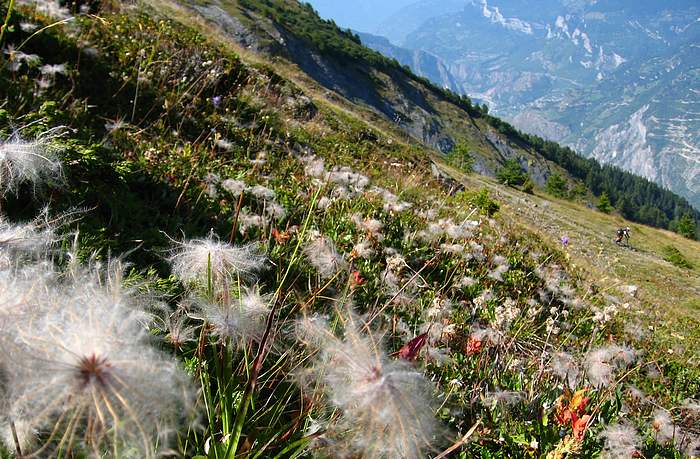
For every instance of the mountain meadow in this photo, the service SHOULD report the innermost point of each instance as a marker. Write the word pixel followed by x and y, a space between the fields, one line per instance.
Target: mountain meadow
pixel 230 230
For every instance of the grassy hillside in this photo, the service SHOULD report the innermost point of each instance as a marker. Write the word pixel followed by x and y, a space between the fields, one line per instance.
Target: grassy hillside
pixel 234 263
pixel 438 118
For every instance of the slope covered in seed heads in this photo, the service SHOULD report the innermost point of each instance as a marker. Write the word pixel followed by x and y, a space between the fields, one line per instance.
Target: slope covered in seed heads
pixel 328 291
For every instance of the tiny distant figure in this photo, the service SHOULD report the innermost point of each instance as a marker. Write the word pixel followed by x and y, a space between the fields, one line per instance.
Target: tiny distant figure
pixel 623 234
pixel 565 240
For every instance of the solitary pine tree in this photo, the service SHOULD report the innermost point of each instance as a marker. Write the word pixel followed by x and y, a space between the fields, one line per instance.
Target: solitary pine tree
pixel 686 226
pixel 604 203
pixel 511 174
pixel 556 185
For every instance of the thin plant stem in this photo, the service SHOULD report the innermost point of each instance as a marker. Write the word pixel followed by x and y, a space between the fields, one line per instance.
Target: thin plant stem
pixel 15 439
pixel 234 226
pixel 10 8
pixel 250 387
pixel 262 350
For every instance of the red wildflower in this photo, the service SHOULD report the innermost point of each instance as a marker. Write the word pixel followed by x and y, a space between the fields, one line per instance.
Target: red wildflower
pixel 578 425
pixel 474 345
pixel 571 409
pixel 280 238
pixel 411 349
pixel 357 279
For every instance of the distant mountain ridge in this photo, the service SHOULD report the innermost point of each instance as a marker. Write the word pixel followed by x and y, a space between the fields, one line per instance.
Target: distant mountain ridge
pixel 616 80
pixel 422 62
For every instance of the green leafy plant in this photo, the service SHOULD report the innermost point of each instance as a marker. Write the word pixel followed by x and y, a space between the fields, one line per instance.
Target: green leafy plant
pixel 687 227
pixel 556 185
pixel 482 201
pixel 461 157
pixel 676 258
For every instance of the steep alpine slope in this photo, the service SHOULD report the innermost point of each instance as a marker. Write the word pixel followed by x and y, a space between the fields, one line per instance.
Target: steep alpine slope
pixel 616 80
pixel 421 62
pixel 336 60
pixel 328 293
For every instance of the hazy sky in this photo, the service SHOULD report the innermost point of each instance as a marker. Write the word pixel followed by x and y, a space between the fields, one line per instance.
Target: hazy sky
pixel 361 15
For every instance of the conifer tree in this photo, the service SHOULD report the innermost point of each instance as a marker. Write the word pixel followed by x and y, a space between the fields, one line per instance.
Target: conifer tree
pixel 604 203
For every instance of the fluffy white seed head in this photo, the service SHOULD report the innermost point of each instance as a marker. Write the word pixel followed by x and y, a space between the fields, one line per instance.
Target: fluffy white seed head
pixel 385 403
pixel 564 367
pixel 48 7
pixel 314 167
pixel 241 320
pixel 324 203
pixel 262 192
pixel 247 221
pixel 392 203
pixel 503 398
pixel 19 242
pixel 321 253
pixel 664 428
pixel 199 260
pixel 602 363
pixel 175 326
pixel 347 178
pixel 370 226
pixel 84 374
pixel 363 249
pixel 621 441
pixel 235 187
pixel 29 161
pixel 274 210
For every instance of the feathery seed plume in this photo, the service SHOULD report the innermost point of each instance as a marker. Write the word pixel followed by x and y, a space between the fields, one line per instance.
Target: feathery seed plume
pixel 664 427
pixel 564 367
pixel 35 161
pixel 241 320
pixel 321 253
pixel 235 187
pixel 197 259
pixel 621 441
pixel 602 363
pixel 83 373
pixel 385 403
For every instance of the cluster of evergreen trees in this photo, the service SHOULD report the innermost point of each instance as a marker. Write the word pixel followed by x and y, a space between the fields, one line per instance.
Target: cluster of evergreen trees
pixel 635 197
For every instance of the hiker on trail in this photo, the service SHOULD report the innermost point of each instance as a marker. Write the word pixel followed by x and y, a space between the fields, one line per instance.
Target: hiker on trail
pixel 623 233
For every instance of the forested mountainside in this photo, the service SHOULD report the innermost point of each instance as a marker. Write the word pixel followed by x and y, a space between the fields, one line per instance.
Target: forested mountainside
pixel 615 80
pixel 205 253
pixel 434 116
